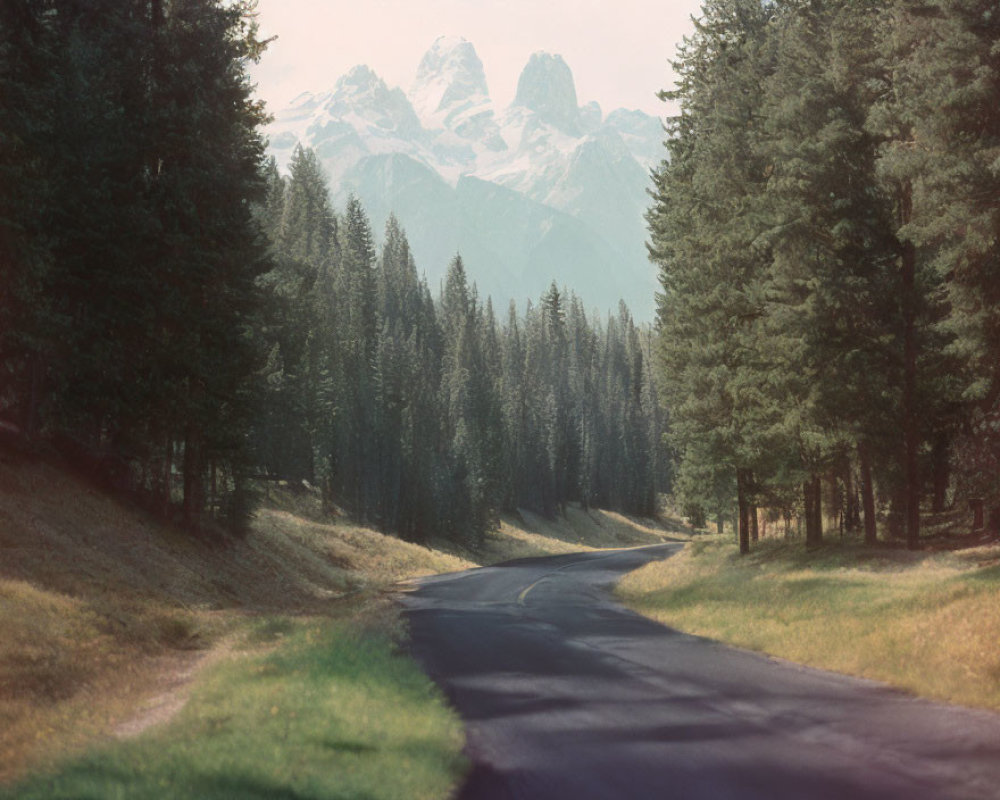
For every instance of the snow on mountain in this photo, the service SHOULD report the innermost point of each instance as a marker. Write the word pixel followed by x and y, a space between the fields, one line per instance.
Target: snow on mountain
pixel 450 93
pixel 362 116
pixel 591 116
pixel 543 189
pixel 546 87
pixel 642 134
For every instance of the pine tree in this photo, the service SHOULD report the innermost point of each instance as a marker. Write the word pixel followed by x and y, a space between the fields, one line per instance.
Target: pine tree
pixel 357 323
pixel 704 238
pixel 945 117
pixel 924 383
pixel 830 236
pixel 27 66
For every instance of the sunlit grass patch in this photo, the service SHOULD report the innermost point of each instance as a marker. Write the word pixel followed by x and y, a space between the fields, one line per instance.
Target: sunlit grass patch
pixel 332 712
pixel 363 556
pixel 927 622
pixel 527 534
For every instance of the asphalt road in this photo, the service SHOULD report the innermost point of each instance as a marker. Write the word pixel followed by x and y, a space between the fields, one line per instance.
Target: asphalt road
pixel 567 695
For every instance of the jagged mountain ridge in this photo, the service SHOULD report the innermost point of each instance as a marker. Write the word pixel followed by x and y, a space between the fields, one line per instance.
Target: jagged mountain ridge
pixel 544 189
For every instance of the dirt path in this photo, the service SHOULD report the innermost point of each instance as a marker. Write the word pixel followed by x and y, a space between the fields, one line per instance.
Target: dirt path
pixel 175 676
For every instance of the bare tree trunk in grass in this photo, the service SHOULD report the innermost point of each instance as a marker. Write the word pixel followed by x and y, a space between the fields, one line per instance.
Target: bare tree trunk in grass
pixel 812 494
pixel 818 510
pixel 163 500
pixel 194 489
pixel 977 514
pixel 867 494
pixel 851 493
pixel 939 460
pixel 836 505
pixel 754 530
pixel 744 511
pixel 807 502
pixel 911 421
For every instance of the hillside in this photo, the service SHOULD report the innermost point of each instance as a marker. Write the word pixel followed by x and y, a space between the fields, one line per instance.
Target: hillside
pixel 106 614
pixel 100 605
pixel 926 622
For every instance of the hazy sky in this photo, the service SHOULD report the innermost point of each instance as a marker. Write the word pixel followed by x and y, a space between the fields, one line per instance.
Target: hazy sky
pixel 619 50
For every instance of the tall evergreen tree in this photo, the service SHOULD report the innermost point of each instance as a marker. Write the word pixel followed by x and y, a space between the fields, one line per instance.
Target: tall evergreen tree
pixel 944 112
pixel 704 239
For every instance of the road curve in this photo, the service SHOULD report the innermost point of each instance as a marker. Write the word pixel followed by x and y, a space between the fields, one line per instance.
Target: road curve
pixel 566 694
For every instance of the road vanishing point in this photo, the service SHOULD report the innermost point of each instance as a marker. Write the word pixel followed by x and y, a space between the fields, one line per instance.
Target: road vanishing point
pixel 566 695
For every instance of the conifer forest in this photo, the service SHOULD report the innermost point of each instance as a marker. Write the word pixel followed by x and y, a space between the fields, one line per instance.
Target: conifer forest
pixel 185 321
pixel 190 324
pixel 827 229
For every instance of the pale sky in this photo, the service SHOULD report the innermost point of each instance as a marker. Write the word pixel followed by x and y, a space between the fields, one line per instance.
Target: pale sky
pixel 618 50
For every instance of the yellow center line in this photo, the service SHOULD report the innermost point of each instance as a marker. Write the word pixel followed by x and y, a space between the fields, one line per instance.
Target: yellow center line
pixel 521 597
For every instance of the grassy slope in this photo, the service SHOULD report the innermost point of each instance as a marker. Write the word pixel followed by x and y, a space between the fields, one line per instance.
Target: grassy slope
pixel 927 622
pixel 104 612
pixel 531 535
pixel 101 607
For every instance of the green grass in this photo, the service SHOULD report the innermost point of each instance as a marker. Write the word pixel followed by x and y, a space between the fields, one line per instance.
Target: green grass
pixel 330 710
pixel 925 622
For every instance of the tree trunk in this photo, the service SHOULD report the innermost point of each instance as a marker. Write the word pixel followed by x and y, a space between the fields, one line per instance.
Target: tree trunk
pixel 911 421
pixel 193 486
pixel 993 520
pixel 29 415
pixel 850 492
pixel 977 514
pixel 818 509
pixel 744 511
pixel 942 476
pixel 213 491
pixel 897 516
pixel 836 506
pixel 812 491
pixel 867 494
pixel 168 465
pixel 807 502
pixel 754 530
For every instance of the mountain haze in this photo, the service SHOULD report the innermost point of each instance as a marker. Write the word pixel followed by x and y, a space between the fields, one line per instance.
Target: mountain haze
pixel 543 189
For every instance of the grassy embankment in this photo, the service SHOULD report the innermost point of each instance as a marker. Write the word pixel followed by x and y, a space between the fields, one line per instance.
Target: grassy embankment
pixel 136 661
pixel 927 622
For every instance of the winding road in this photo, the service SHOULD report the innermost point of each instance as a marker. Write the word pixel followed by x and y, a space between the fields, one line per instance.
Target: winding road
pixel 567 695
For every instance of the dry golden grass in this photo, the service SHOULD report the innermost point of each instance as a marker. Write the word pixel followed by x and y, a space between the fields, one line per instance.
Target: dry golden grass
pixel 369 558
pixel 100 604
pixel 576 530
pixel 926 622
pixel 103 609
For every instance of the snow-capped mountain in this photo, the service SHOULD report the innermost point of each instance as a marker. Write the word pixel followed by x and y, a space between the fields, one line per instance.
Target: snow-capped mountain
pixel 450 94
pixel 544 189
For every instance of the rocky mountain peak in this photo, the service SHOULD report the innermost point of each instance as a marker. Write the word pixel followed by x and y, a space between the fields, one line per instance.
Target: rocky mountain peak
pixel 360 78
pixel 363 93
pixel 546 87
pixel 450 83
pixel 449 74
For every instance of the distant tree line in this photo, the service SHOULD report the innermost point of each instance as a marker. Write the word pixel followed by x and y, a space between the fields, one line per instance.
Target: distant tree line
pixel 184 321
pixel 827 229
pixel 431 417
